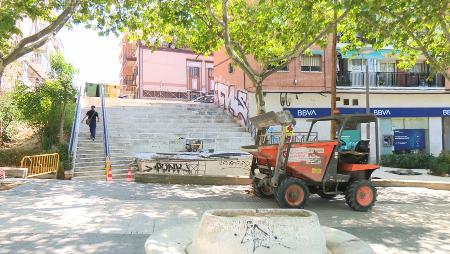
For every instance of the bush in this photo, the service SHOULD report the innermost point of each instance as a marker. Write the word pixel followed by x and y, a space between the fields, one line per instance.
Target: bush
pixel 12 157
pixel 64 160
pixel 8 116
pixel 408 160
pixel 441 165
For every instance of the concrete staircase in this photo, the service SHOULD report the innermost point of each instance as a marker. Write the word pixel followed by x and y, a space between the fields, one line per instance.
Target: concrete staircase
pixel 90 159
pixel 152 126
pixel 163 126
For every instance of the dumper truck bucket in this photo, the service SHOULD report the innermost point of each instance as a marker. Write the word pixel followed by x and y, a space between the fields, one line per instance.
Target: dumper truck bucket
pixel 271 119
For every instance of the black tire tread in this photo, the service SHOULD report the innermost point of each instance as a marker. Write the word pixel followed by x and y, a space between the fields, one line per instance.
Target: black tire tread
pixel 287 181
pixel 350 195
pixel 258 191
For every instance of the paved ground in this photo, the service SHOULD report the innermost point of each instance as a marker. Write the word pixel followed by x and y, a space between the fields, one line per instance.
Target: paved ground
pixel 384 173
pixel 49 216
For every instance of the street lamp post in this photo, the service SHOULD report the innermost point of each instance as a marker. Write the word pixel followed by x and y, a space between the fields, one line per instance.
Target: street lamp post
pixel 377 152
pixel 363 52
pixel 367 87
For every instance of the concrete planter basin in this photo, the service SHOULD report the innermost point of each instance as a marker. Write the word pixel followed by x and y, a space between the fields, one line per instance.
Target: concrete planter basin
pixel 258 231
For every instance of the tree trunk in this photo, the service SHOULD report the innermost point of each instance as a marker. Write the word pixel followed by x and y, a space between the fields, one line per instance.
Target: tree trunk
pixel 63 117
pixel 2 69
pixel 260 103
pixel 260 109
pixel 61 127
pixel 333 78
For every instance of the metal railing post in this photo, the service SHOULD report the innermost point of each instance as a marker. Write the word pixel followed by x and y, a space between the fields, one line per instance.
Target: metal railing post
pixel 105 130
pixel 74 133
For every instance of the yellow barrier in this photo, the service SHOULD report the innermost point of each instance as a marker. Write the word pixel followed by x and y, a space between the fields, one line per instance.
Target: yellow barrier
pixel 40 164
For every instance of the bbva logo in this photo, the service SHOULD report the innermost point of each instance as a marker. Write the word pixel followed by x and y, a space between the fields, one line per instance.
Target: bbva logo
pixel 446 112
pixel 306 112
pixel 382 112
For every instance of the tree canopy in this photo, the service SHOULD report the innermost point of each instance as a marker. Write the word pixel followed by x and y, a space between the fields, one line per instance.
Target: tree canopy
pixel 411 26
pixel 13 43
pixel 45 107
pixel 271 32
pixel 275 32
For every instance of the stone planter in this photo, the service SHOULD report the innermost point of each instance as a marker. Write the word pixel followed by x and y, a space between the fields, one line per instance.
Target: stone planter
pixel 242 231
pixel 258 231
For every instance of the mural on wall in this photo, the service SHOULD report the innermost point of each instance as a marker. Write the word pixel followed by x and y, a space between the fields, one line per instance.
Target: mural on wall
pixel 234 101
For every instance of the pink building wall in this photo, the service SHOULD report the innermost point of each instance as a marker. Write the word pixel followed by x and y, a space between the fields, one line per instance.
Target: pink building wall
pixel 166 69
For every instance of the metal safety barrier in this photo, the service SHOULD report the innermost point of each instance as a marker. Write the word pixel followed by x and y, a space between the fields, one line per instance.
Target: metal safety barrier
pixel 40 164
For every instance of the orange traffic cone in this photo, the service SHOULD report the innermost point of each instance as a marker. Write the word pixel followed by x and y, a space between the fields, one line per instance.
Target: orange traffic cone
pixel 129 175
pixel 109 172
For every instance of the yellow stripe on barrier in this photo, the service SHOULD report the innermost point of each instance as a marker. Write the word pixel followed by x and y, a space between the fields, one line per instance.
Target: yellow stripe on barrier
pixel 40 164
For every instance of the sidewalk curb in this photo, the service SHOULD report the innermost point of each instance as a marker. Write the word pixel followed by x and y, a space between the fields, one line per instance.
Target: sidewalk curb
pixel 144 177
pixel 411 183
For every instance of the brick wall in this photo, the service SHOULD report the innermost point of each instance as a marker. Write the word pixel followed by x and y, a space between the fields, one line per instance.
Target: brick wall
pixel 292 80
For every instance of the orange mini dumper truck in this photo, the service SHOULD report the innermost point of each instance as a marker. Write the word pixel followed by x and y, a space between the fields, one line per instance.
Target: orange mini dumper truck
pixel 291 171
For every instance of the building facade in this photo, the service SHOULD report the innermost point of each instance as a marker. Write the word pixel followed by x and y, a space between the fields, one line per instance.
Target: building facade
pixel 34 67
pixel 413 106
pixel 167 72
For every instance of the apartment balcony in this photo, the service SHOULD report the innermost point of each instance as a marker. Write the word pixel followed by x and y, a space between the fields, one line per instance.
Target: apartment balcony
pixel 390 80
pixel 128 57
pixel 130 54
pixel 129 80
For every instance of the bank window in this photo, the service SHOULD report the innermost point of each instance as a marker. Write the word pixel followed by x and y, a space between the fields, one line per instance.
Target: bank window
pixel 410 123
pixel 311 63
pixel 357 64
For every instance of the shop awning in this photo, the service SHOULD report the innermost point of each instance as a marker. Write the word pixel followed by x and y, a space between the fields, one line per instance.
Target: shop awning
pixel 314 52
pixel 376 54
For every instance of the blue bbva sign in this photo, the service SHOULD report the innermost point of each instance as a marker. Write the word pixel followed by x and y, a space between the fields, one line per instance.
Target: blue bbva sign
pixel 380 112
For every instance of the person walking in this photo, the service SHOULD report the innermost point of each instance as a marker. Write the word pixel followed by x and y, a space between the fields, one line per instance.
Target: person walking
pixel 92 119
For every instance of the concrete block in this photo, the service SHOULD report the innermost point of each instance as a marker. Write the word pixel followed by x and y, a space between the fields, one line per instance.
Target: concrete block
pixel 144 177
pixel 15 172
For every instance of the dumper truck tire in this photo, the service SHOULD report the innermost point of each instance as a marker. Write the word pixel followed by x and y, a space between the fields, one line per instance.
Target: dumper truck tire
pixel 361 195
pixel 263 191
pixel 292 193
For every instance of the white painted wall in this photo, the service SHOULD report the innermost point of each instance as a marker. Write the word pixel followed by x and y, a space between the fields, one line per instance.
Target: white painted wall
pixel 435 131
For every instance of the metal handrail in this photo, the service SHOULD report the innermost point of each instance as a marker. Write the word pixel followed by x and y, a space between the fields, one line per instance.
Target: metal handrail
pixel 74 132
pixel 390 79
pixel 105 125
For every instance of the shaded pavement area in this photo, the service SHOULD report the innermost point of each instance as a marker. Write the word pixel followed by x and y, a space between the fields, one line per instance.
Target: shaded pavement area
pixel 51 216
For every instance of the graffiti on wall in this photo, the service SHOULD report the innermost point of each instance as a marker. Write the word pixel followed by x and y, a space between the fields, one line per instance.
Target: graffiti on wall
pixel 259 236
pixel 234 101
pixel 181 168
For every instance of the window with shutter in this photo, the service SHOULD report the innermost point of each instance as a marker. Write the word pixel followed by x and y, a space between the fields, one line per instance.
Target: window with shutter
pixel 311 63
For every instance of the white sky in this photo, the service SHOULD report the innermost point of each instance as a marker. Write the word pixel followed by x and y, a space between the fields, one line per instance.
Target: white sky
pixel 96 57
